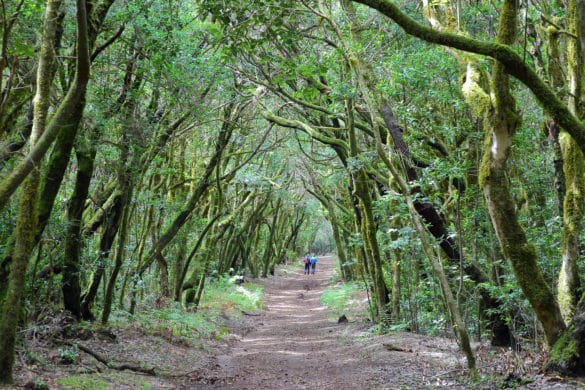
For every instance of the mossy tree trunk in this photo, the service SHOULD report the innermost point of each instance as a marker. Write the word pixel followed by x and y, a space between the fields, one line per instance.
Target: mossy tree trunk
pixel 252 228
pixel 70 284
pixel 67 115
pixel 62 126
pixel 110 229
pixel 27 217
pixel 253 258
pixel 557 80
pixel 368 226
pixel 267 257
pixel 299 219
pixel 339 244
pixel 120 250
pixel 188 283
pixel 61 151
pixel 124 186
pixel 568 354
pixel 456 318
pixel 573 171
pixel 568 282
pixel 178 265
pixel 200 250
pixel 501 335
pixel 329 205
pixel 500 123
pixel 458 324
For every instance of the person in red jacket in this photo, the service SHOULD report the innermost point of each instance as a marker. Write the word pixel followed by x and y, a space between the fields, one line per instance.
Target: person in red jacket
pixel 307 264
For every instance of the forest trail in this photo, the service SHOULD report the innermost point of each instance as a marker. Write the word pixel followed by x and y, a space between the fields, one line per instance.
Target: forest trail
pixel 293 345
pixel 290 344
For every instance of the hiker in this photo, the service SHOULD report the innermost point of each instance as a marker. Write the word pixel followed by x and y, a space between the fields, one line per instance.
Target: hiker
pixel 307 263
pixel 313 261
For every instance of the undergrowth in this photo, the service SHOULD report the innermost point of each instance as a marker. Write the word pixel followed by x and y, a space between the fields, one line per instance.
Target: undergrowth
pixel 224 294
pixel 222 297
pixel 344 298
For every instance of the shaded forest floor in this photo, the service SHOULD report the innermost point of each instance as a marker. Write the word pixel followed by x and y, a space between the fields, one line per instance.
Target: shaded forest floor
pixel 290 344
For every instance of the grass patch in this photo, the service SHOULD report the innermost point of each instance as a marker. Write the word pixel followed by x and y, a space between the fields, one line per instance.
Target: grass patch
pixel 343 298
pixel 83 383
pixel 116 380
pixel 228 297
pixel 171 321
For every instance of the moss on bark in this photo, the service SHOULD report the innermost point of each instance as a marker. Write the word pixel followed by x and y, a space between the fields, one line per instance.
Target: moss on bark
pixel 567 354
pixel 573 172
pixel 27 208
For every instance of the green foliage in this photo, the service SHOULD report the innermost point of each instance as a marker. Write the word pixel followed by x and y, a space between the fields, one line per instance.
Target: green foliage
pixel 194 59
pixel 41 385
pixel 182 323
pixel 342 299
pixel 221 296
pixel 69 355
pixel 225 295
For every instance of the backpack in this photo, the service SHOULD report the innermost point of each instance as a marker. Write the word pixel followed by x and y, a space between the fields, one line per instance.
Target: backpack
pixel 306 260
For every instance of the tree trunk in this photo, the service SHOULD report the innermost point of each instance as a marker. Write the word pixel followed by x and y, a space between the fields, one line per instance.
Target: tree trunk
pixel 201 285
pixel 368 224
pixel 567 356
pixel 396 293
pixel 574 171
pixel 27 216
pixel 339 245
pixel 68 113
pixel 267 258
pixel 61 152
pixel 458 324
pixel 202 185
pixel 106 241
pixel 187 284
pixel 501 335
pixel 12 308
pixel 118 257
pixel 178 264
pixel 500 126
pixel 70 284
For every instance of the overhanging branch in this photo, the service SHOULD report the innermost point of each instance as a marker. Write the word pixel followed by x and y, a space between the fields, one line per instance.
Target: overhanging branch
pixel 512 62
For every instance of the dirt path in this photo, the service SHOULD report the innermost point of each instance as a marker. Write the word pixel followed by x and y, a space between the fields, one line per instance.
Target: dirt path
pixel 294 346
pixel 289 345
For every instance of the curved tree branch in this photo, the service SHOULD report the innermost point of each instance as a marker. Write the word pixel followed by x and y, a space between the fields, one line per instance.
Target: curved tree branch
pixel 69 110
pixel 512 62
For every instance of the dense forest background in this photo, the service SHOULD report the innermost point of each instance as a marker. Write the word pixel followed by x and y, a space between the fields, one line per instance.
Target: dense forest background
pixel 149 146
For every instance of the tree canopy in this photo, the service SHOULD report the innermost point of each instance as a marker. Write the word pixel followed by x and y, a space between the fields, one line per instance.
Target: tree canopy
pixel 437 147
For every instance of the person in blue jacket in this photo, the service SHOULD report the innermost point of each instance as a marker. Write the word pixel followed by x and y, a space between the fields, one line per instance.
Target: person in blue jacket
pixel 313 260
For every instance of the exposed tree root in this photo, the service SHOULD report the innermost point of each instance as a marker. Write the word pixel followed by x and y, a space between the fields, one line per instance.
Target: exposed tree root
pixel 113 365
pixel 251 314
